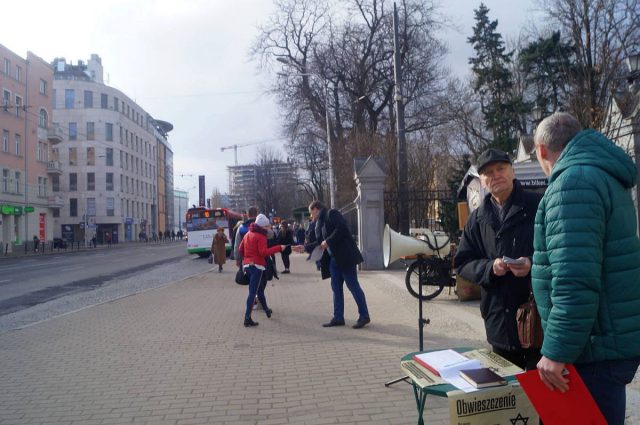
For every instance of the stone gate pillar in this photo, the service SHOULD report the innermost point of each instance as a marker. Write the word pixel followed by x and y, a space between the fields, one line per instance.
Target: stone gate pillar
pixel 370 178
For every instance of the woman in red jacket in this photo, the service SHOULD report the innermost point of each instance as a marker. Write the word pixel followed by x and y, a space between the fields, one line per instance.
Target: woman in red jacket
pixel 253 250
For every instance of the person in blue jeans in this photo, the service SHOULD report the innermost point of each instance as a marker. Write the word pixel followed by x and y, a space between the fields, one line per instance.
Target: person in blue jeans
pixel 254 250
pixel 339 261
pixel 586 263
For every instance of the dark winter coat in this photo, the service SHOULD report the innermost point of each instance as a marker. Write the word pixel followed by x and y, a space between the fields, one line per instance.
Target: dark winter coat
pixel 484 239
pixel 332 228
pixel 586 267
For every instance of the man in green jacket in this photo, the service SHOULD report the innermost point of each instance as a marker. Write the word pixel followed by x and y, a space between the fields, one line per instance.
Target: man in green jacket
pixel 586 263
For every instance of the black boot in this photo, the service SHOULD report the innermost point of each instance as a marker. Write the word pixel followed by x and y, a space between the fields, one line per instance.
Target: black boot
pixel 248 322
pixel 269 312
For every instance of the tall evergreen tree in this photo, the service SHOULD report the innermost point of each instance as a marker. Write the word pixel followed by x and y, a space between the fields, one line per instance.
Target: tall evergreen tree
pixel 548 65
pixel 493 81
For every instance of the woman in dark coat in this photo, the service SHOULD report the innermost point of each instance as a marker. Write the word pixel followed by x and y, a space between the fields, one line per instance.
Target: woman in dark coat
pixel 285 237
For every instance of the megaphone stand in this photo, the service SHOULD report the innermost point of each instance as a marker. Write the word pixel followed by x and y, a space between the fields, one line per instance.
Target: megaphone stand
pixel 422 264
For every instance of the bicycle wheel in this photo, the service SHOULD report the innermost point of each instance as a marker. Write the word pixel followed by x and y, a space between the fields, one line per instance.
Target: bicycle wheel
pixel 430 286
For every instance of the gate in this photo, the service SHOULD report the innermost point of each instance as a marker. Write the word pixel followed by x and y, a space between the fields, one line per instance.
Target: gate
pixel 433 209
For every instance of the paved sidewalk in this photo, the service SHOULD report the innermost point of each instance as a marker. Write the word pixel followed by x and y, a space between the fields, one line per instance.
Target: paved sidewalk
pixel 180 355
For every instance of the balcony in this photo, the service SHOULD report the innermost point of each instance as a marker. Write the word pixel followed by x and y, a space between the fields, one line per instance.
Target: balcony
pixel 55 201
pixel 54 167
pixel 55 135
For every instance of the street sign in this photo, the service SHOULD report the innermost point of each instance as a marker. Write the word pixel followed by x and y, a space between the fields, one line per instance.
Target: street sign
pixel 29 209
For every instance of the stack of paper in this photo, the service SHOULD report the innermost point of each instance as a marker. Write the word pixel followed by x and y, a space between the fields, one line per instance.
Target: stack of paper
pixel 447 364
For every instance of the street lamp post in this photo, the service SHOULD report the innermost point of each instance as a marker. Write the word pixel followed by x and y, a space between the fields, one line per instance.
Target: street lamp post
pixel 332 186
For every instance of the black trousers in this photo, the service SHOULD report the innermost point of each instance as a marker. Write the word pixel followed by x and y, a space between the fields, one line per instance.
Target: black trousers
pixel 285 260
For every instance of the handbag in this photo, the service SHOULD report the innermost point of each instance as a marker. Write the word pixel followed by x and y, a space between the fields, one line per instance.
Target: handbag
pixel 529 324
pixel 242 278
pixel 210 259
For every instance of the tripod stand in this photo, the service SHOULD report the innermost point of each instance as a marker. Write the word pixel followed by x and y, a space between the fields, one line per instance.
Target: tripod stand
pixel 422 265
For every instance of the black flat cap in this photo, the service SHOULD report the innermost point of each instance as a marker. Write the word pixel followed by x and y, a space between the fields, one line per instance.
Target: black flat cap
pixel 491 155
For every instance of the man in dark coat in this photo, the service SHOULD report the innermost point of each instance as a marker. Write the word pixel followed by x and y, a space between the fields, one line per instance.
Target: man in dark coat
pixel 339 260
pixel 501 226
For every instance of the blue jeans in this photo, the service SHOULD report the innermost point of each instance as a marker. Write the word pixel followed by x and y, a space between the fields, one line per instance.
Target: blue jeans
pixel 607 381
pixel 350 276
pixel 255 287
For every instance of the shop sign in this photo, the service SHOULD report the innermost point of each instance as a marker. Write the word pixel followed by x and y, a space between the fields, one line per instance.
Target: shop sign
pixel 29 209
pixel 10 210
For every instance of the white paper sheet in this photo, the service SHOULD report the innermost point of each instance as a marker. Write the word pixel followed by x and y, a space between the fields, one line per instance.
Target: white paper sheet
pixel 316 254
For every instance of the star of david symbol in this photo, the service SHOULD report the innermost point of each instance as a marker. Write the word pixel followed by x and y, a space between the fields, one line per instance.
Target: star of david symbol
pixel 519 418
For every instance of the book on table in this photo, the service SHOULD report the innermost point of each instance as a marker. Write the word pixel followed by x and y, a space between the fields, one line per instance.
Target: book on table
pixel 482 377
pixel 445 362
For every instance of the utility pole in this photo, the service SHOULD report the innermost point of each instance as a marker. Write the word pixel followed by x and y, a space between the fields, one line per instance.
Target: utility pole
pixel 403 205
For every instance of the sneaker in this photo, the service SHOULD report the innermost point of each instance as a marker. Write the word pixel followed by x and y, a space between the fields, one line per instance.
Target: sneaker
pixel 285 271
pixel 361 322
pixel 269 312
pixel 248 323
pixel 332 323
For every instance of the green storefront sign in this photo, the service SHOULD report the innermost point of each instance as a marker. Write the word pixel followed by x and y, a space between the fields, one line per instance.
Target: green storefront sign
pixel 29 209
pixel 7 209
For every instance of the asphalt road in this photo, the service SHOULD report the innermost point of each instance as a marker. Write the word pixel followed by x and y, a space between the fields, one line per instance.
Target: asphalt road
pixel 26 282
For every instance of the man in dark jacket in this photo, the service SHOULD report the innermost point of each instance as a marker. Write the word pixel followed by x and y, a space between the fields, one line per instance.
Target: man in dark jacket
pixel 339 260
pixel 587 263
pixel 501 226
pixel 252 213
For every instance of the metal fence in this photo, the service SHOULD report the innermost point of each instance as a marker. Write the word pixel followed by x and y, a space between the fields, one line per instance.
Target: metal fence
pixel 350 213
pixel 433 209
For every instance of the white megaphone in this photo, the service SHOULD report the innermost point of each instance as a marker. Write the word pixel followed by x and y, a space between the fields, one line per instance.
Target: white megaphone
pixel 396 245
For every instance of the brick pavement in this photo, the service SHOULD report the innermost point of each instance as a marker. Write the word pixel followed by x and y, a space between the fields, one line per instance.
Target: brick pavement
pixel 180 355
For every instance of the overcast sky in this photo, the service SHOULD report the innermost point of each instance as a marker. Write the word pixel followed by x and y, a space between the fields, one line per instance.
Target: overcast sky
pixel 187 62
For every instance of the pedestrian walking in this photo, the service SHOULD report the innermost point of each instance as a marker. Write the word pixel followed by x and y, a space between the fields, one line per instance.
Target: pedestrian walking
pixel 254 250
pixel 219 248
pixel 36 243
pixel 285 237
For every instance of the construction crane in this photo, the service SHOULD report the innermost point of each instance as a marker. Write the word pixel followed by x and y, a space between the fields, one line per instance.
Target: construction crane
pixel 241 145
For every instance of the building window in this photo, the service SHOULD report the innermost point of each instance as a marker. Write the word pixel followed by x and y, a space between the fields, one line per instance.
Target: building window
pixel 73 131
pixel 6 100
pixel 110 209
pixel 5 180
pixel 91 133
pixel 108 129
pixel 18 73
pixel 53 99
pixel 43 87
pixel 91 207
pixel 104 101
pixel 18 176
pixel 5 141
pixel 18 106
pixel 109 156
pixel 69 98
pixel 88 99
pixel 121 159
pixel 109 179
pixel 121 130
pixel 73 156
pixel 55 183
pixel 43 119
pixel 73 207
pixel 91 181
pixel 7 66
pixel 18 141
pixel 91 156
pixel 73 182
pixel 55 212
pixel 115 104
pixel 121 182
pixel 42 186
pixel 55 154
pixel 41 153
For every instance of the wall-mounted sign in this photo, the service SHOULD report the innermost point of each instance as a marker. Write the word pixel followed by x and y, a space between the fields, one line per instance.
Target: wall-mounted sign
pixel 29 209
pixel 10 210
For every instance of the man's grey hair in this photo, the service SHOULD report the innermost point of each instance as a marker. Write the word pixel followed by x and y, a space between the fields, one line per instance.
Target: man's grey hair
pixel 557 130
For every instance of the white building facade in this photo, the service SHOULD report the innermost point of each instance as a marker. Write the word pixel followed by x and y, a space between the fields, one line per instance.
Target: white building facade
pixel 109 184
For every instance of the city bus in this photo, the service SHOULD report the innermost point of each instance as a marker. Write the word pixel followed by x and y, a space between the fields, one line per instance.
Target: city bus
pixel 202 224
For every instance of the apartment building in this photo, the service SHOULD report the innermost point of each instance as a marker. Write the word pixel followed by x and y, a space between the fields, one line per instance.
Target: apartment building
pixel 245 181
pixel 180 207
pixel 27 206
pixel 116 164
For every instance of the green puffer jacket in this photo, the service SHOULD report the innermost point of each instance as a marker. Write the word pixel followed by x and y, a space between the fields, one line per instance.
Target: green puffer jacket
pixel 586 263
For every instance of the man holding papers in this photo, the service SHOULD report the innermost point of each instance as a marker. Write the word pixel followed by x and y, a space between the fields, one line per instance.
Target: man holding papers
pixel 586 272
pixel 501 226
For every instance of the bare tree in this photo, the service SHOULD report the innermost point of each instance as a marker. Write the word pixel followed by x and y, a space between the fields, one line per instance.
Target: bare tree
pixel 599 31
pixel 276 184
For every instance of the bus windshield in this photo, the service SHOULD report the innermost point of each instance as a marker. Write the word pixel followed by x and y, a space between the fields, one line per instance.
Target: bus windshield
pixel 202 223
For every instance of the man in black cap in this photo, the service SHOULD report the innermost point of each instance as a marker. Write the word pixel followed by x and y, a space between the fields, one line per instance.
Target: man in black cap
pixel 502 226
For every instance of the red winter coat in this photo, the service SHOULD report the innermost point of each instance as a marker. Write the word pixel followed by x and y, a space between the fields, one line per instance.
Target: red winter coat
pixel 253 247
